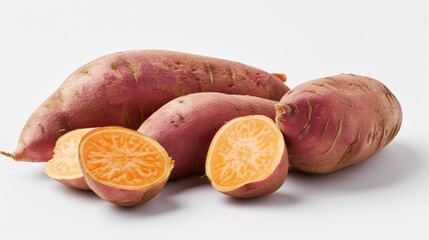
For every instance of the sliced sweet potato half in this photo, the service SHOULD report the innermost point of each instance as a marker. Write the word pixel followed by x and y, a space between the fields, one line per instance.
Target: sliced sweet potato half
pixel 247 157
pixel 123 166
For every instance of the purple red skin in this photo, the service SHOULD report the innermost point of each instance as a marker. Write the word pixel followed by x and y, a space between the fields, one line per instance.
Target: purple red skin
pixel 123 89
pixel 78 183
pixel 266 186
pixel 186 125
pixel 334 122
pixel 122 197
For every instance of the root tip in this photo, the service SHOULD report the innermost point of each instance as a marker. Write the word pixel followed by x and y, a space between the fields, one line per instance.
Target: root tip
pixel 11 155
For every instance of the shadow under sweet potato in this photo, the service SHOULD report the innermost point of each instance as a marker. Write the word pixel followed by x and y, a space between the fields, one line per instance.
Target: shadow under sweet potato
pixel 395 164
pixel 165 201
pixel 180 185
pixel 156 206
pixel 392 165
pixel 277 199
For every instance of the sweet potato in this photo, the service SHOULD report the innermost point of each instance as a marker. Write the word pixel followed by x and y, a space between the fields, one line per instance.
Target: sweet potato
pixel 123 166
pixel 337 121
pixel 124 88
pixel 247 157
pixel 186 125
pixel 64 166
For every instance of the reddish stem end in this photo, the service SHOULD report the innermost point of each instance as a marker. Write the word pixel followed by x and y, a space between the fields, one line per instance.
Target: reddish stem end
pixel 280 76
pixel 283 108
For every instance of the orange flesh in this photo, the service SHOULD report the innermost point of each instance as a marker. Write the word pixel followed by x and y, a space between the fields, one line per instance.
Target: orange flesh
pixel 123 158
pixel 246 149
pixel 65 162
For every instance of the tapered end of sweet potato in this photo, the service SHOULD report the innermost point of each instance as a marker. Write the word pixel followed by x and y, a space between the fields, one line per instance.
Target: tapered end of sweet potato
pixel 283 108
pixel 21 156
pixel 11 155
pixel 284 113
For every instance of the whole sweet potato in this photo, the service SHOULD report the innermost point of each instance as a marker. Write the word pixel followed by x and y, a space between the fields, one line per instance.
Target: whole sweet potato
pixel 124 88
pixel 186 125
pixel 337 121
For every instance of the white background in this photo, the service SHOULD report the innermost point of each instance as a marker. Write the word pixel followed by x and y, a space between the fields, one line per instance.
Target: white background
pixel 386 197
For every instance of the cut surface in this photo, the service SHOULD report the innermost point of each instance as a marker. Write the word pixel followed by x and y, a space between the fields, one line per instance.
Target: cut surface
pixel 65 162
pixel 123 158
pixel 246 149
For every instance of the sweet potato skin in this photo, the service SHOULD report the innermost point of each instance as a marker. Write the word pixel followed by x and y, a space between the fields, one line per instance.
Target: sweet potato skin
pixel 186 125
pixel 122 197
pixel 78 183
pixel 123 89
pixel 334 122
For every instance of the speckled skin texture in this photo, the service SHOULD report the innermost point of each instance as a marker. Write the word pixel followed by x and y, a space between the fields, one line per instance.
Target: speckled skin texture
pixel 123 89
pixel 186 125
pixel 334 122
